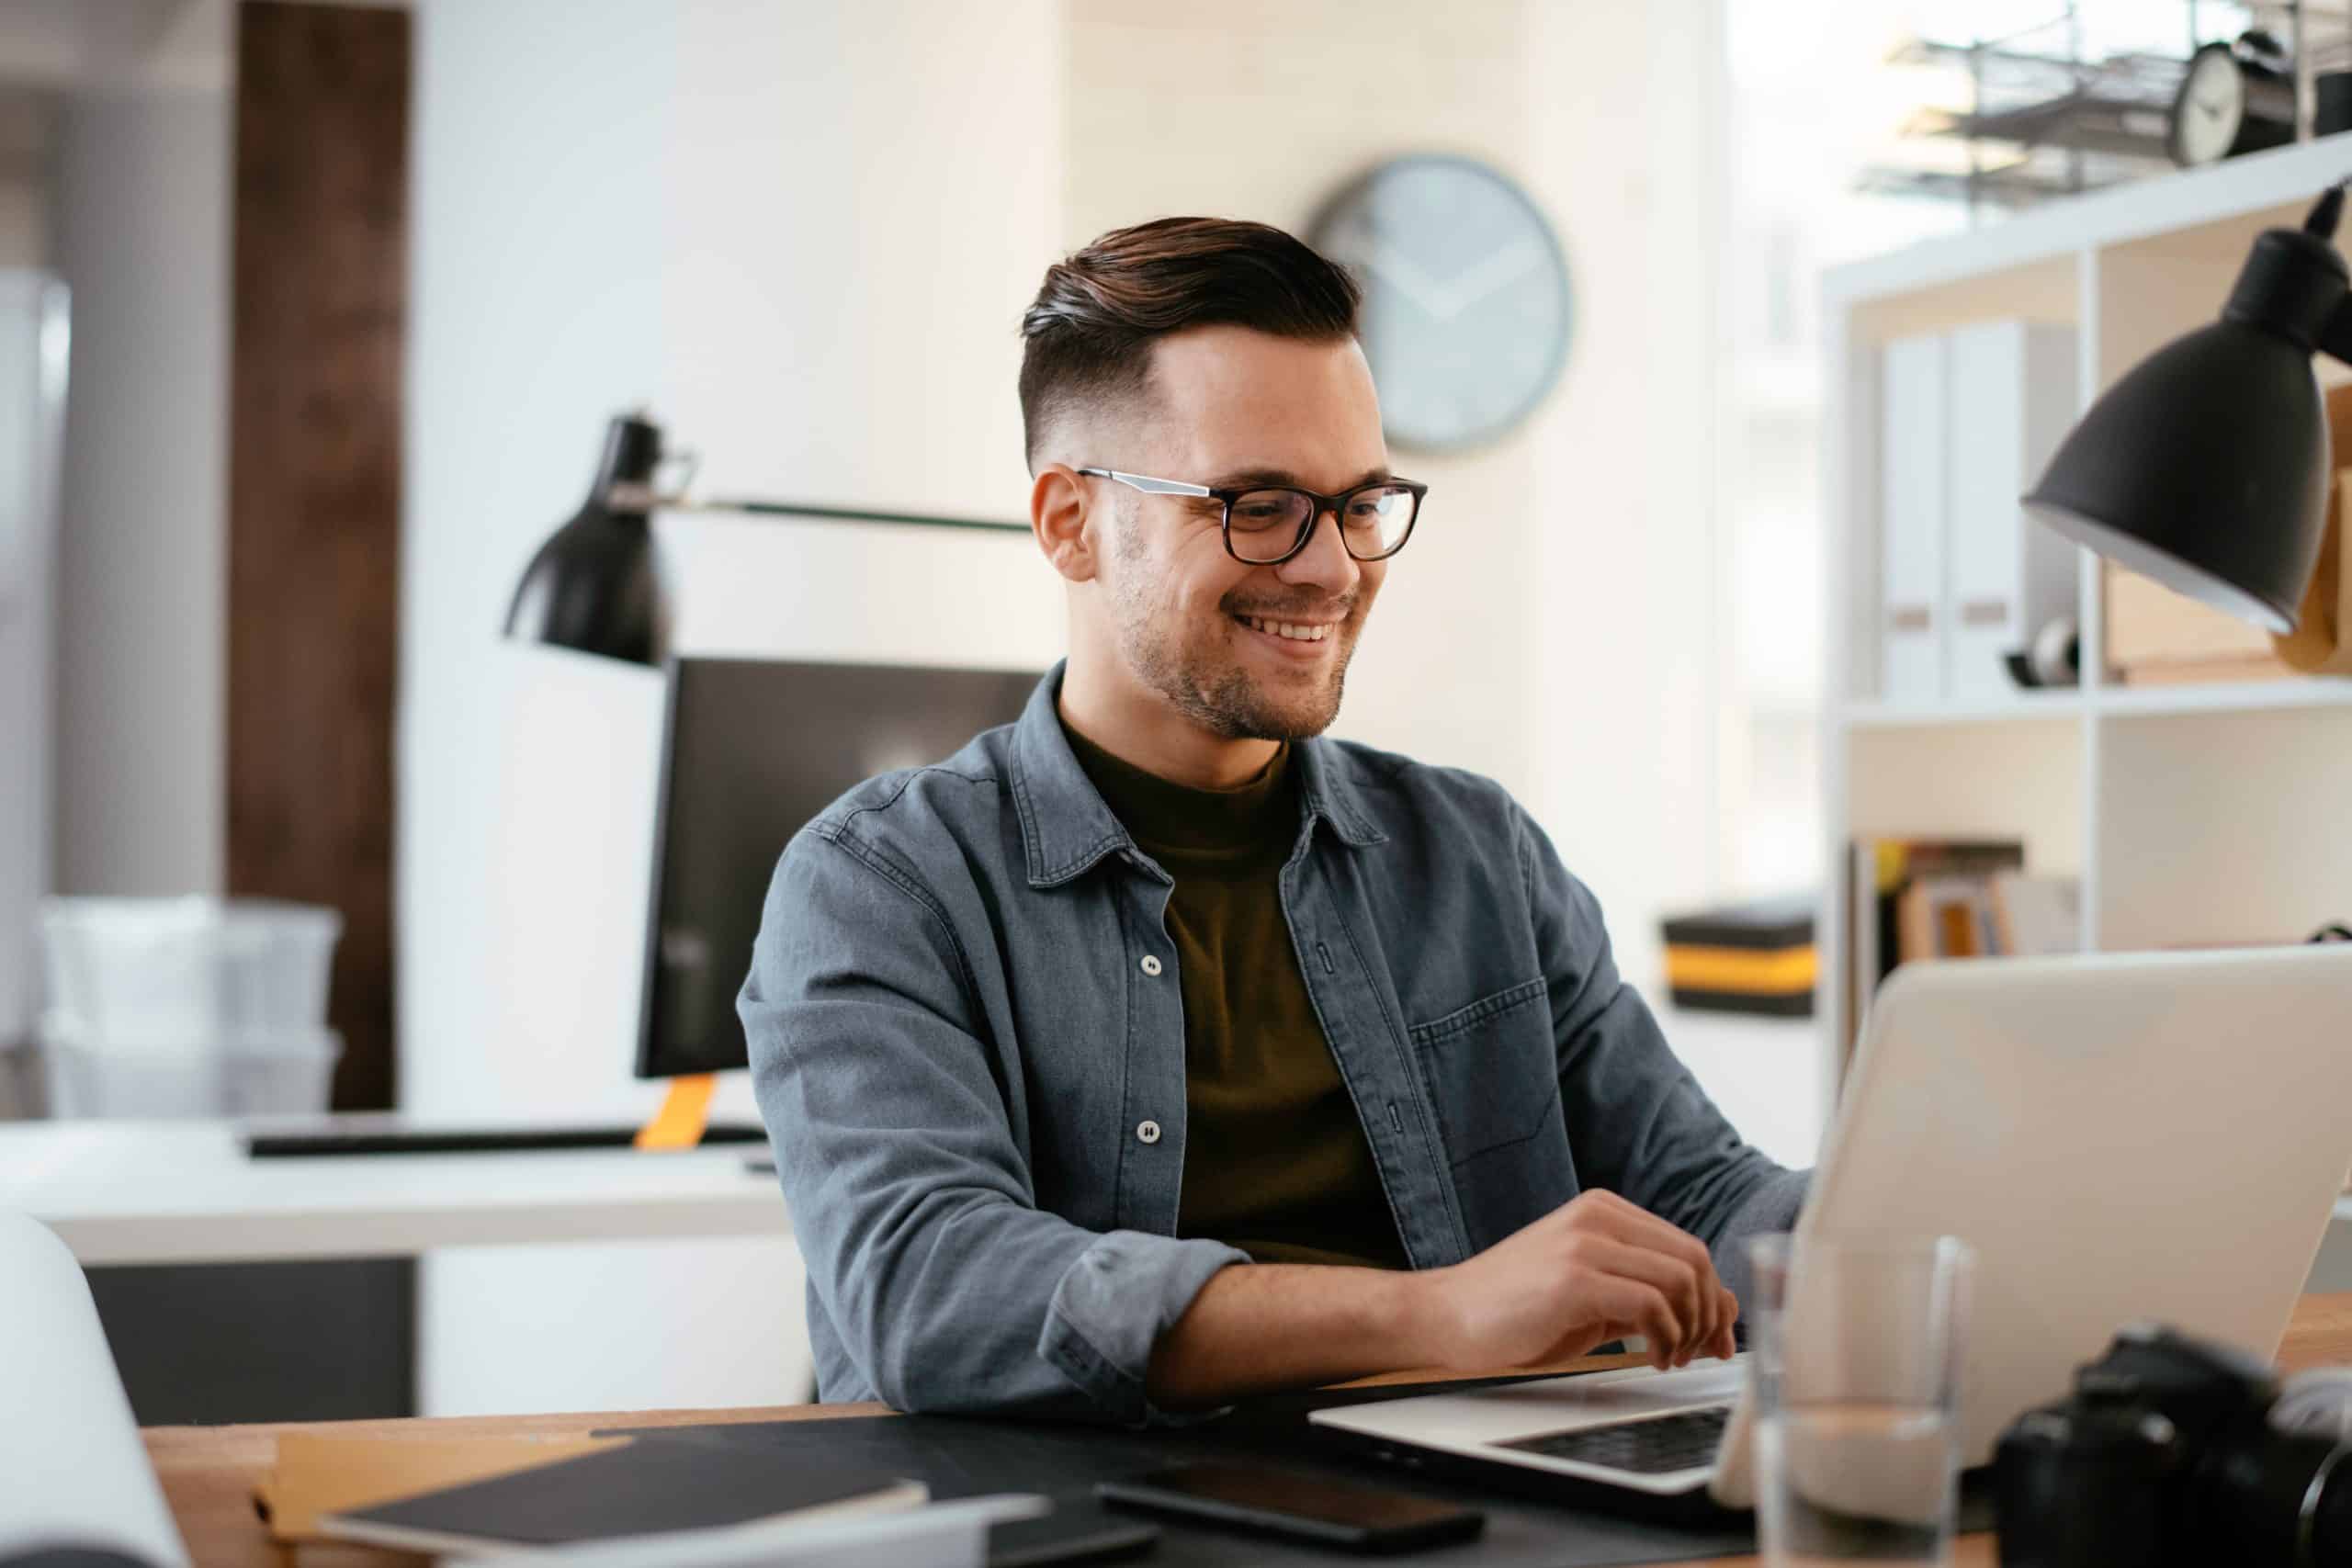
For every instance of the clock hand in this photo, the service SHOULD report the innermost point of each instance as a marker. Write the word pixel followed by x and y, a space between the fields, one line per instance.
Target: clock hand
pixel 1428 296
pixel 1498 271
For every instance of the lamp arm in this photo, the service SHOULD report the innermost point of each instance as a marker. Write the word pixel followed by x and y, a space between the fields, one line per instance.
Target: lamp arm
pixel 2336 333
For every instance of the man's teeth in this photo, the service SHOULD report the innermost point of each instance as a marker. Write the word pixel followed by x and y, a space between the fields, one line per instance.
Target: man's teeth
pixel 1286 628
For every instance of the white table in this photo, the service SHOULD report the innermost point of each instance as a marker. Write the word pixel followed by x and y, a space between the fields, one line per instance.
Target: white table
pixel 186 1192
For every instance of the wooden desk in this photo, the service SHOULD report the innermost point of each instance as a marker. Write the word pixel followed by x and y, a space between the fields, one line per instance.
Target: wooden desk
pixel 209 1472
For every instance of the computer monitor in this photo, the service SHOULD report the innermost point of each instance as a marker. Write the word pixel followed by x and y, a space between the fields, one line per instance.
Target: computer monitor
pixel 752 750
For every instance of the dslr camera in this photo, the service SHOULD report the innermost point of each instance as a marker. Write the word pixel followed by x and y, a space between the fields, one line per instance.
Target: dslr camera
pixel 2166 1453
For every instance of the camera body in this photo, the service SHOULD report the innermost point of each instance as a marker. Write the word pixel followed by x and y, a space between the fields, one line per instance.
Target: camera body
pixel 2164 1454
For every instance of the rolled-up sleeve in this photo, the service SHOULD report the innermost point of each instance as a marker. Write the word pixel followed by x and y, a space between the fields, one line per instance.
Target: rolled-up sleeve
pixel 1638 1122
pixel 911 1198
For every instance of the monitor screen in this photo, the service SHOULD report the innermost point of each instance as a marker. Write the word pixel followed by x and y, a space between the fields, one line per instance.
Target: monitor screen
pixel 752 749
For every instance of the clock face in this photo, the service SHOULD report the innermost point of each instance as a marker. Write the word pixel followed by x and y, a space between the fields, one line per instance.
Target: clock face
pixel 1466 305
pixel 2210 108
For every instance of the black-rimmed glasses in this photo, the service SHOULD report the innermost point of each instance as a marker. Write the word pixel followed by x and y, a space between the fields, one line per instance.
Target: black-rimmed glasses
pixel 1267 524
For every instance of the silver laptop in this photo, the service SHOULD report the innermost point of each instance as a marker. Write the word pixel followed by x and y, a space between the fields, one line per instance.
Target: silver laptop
pixel 2120 1137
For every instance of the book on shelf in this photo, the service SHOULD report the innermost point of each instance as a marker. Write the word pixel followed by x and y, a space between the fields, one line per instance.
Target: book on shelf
pixel 2035 916
pixel 1920 898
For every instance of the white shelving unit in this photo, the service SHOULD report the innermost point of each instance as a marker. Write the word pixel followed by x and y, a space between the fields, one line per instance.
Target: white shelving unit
pixel 2192 813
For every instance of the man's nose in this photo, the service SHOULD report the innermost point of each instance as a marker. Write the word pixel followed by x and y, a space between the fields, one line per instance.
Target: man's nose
pixel 1325 562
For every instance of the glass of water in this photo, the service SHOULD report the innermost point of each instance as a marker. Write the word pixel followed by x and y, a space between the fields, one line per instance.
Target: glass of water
pixel 1856 1345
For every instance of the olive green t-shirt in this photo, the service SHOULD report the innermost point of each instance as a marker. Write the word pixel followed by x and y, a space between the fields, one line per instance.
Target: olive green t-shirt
pixel 1275 1161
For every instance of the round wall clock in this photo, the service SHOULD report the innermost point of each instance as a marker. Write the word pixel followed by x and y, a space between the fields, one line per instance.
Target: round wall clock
pixel 1466 307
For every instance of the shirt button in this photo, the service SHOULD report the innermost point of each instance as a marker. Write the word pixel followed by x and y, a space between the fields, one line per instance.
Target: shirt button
pixel 1151 967
pixel 1147 1131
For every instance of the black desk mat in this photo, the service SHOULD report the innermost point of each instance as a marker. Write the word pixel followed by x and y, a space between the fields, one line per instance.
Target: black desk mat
pixel 965 1457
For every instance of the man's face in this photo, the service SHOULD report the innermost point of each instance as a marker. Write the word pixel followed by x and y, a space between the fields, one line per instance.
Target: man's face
pixel 1230 406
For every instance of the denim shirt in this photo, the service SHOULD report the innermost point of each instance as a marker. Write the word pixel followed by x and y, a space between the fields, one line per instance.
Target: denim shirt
pixel 967 1040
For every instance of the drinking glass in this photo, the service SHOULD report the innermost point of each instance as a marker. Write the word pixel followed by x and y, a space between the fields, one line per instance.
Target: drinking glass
pixel 1855 1345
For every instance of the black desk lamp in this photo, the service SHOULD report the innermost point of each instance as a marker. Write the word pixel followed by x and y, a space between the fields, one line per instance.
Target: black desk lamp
pixel 591 586
pixel 2206 468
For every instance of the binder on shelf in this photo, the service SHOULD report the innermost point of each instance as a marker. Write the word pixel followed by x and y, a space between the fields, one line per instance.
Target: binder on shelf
pixel 1967 419
pixel 2010 398
pixel 1909 898
pixel 1911 535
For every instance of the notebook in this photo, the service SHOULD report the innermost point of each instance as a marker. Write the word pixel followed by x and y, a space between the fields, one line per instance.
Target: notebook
pixel 648 1486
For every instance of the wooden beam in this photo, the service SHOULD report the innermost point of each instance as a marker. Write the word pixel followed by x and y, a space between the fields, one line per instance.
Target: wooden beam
pixel 319 296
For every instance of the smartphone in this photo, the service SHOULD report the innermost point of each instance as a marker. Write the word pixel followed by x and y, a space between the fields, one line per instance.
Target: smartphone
pixel 1300 1508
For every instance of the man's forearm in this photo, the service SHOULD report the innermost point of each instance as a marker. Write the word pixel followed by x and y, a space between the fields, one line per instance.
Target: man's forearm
pixel 1593 1269
pixel 1260 1328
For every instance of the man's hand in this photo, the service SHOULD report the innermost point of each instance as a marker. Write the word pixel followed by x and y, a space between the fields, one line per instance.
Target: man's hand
pixel 1593 1269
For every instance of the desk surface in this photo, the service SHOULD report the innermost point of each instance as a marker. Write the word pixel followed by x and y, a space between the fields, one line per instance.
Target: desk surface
pixel 209 1472
pixel 186 1192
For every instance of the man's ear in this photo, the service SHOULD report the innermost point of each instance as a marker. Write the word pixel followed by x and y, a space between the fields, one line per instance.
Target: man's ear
pixel 1059 499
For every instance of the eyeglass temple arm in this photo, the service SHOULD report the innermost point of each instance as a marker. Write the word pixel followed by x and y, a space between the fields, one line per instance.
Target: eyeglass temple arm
pixel 1154 486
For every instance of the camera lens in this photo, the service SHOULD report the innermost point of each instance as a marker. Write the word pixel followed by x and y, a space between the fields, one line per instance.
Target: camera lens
pixel 2267 1497
pixel 2327 1510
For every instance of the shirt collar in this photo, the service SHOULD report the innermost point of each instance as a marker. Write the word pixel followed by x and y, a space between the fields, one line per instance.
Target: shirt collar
pixel 1066 827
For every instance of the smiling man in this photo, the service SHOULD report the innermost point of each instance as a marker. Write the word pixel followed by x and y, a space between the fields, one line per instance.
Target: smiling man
pixel 1155 1051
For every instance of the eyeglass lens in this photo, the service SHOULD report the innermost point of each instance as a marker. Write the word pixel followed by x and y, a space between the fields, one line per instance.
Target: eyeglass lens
pixel 1264 524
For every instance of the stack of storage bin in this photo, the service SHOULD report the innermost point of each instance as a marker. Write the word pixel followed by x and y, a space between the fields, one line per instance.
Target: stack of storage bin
pixel 187 1007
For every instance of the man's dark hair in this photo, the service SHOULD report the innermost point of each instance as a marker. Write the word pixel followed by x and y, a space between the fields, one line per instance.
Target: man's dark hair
pixel 1087 335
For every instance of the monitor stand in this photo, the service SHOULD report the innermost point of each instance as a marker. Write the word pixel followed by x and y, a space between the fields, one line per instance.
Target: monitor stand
pixel 684 1116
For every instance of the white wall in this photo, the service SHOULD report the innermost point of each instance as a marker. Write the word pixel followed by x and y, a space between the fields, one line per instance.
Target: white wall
pixel 141 235
pixel 1625 710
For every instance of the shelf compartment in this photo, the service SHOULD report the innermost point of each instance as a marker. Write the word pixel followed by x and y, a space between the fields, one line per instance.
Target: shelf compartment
pixel 1998 779
pixel 2230 828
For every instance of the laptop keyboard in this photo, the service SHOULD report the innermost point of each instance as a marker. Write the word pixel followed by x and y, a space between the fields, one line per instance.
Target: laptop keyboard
pixel 1654 1446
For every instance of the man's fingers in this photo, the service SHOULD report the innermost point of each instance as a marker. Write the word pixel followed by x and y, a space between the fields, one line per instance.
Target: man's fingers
pixel 1691 1299
pixel 1608 1214
pixel 1621 1300
pixel 1630 1222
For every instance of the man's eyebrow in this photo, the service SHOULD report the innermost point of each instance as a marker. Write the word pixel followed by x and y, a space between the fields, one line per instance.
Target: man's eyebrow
pixel 1241 478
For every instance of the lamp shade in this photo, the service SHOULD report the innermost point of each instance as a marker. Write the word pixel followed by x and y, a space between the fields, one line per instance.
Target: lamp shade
pixel 2206 467
pixel 591 586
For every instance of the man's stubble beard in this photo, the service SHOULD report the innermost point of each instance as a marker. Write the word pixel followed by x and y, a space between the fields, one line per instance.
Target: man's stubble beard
pixel 1204 683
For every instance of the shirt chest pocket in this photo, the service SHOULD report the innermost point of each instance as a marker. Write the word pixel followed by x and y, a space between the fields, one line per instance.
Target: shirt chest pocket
pixel 1491 1071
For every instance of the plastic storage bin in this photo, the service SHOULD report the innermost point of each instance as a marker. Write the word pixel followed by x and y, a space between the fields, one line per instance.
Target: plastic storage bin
pixel 167 970
pixel 251 1077
pixel 187 1007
